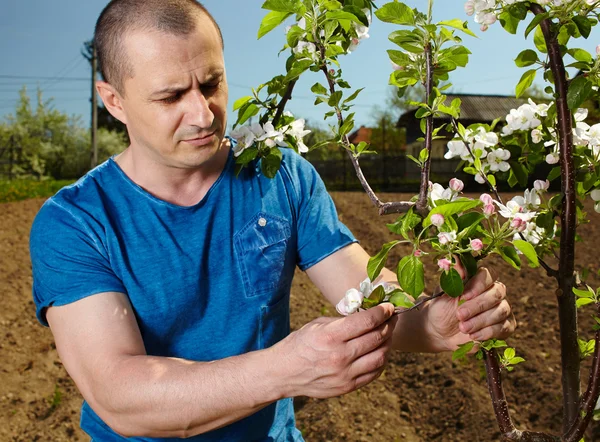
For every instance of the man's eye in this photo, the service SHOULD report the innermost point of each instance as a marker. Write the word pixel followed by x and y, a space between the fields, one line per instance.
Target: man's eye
pixel 210 86
pixel 171 99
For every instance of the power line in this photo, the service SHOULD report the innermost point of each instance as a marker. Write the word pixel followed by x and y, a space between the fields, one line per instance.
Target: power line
pixel 19 77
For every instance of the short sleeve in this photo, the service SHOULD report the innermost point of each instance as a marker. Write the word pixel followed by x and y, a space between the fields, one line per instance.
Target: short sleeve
pixel 320 231
pixel 68 260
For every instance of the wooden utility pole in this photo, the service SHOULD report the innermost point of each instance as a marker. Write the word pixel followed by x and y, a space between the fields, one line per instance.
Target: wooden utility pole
pixel 89 52
pixel 94 108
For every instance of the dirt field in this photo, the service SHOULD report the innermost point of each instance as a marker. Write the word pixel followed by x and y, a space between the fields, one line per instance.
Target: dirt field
pixel 419 397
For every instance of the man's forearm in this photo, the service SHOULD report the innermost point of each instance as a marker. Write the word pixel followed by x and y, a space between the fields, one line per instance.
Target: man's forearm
pixel 167 397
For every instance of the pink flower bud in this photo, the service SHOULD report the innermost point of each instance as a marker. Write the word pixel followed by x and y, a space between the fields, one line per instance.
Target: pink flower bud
pixel 456 185
pixel 444 264
pixel 476 245
pixel 541 186
pixel 437 220
pixel 598 50
pixel 486 199
pixel 418 253
pixel 332 72
pixel 470 7
pixel 446 237
pixel 489 209
pixel 518 224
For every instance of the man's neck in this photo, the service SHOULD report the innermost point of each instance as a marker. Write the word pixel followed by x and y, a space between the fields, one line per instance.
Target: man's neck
pixel 180 186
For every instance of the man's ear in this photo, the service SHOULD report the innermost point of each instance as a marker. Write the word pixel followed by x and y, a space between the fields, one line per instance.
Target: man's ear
pixel 112 100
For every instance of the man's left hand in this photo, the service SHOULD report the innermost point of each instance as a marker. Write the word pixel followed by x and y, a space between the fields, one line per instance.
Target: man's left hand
pixel 484 315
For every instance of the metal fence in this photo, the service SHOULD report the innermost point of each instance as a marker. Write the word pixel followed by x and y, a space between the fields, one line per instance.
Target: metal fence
pixel 384 173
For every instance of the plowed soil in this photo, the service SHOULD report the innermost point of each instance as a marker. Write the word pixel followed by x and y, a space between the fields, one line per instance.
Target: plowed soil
pixel 420 397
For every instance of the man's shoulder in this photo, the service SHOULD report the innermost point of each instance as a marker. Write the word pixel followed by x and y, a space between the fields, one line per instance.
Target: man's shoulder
pixel 76 199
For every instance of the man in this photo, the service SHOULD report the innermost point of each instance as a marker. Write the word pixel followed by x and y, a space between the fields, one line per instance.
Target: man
pixel 165 279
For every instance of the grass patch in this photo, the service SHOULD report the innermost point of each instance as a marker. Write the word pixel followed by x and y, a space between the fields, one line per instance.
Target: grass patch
pixel 17 190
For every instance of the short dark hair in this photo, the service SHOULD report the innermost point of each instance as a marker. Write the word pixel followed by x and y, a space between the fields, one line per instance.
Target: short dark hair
pixel 176 17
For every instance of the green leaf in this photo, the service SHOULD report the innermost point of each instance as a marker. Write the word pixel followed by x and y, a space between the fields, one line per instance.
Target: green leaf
pixel 271 163
pixel 294 35
pixel 469 263
pixel 520 172
pixel 583 301
pixel 241 101
pixel 452 283
pixel 583 24
pixel 450 209
pixel 526 58
pixel 399 57
pixel 508 22
pixel 411 275
pixel 291 6
pixel 581 55
pixel 458 24
pixel 271 21
pixel 580 89
pixel 409 222
pixel 401 299
pixel 463 350
pixel 353 96
pixel 247 111
pixel 528 250
pixel 469 222
pixel 318 88
pixel 536 21
pixel 335 98
pixel 248 155
pixel 378 294
pixel 492 179
pixel 525 82
pixel 377 262
pixel 397 13
pixel 509 353
pixel 589 293
pixel 554 173
pixel 298 68
pixel 510 255
pixel 539 40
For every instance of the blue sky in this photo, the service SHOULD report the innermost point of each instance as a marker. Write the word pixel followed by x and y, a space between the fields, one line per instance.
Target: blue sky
pixel 39 38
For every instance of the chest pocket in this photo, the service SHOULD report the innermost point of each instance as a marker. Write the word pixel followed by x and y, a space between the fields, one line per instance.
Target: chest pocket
pixel 261 248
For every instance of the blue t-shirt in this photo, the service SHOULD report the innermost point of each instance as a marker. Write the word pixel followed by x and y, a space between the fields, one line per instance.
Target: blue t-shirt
pixel 206 282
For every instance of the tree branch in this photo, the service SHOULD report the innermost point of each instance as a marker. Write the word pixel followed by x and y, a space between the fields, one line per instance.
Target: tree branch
pixel 422 207
pixel 384 208
pixel 566 299
pixel 286 97
pixel 507 428
pixel 589 399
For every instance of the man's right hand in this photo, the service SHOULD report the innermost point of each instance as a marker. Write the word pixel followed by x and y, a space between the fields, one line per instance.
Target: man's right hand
pixel 333 356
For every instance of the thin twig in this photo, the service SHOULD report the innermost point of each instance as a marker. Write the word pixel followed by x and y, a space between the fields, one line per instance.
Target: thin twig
pixel 400 310
pixel 384 208
pixel 286 97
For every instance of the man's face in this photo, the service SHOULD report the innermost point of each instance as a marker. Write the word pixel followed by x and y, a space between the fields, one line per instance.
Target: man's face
pixel 176 103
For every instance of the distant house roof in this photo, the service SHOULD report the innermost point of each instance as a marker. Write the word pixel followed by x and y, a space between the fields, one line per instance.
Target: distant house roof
pixel 361 134
pixel 474 108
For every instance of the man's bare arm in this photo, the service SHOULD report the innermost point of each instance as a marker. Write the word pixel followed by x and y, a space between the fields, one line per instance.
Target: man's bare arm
pixel 99 342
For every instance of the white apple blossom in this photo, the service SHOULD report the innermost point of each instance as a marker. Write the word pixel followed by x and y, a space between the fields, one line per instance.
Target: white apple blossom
pixel 447 237
pixel 362 32
pixel 536 136
pixel 353 298
pixel 532 234
pixel 541 186
pixel 516 208
pixel 595 194
pixel 307 50
pixel 497 159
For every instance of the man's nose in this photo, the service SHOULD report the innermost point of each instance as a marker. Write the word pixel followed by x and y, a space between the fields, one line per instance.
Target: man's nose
pixel 199 112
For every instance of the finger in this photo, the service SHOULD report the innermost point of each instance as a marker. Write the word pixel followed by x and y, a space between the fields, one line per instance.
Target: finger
pixel 364 321
pixel 372 340
pixel 482 280
pixel 487 300
pixel 370 362
pixel 367 378
pixel 460 268
pixel 496 315
pixel 496 331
